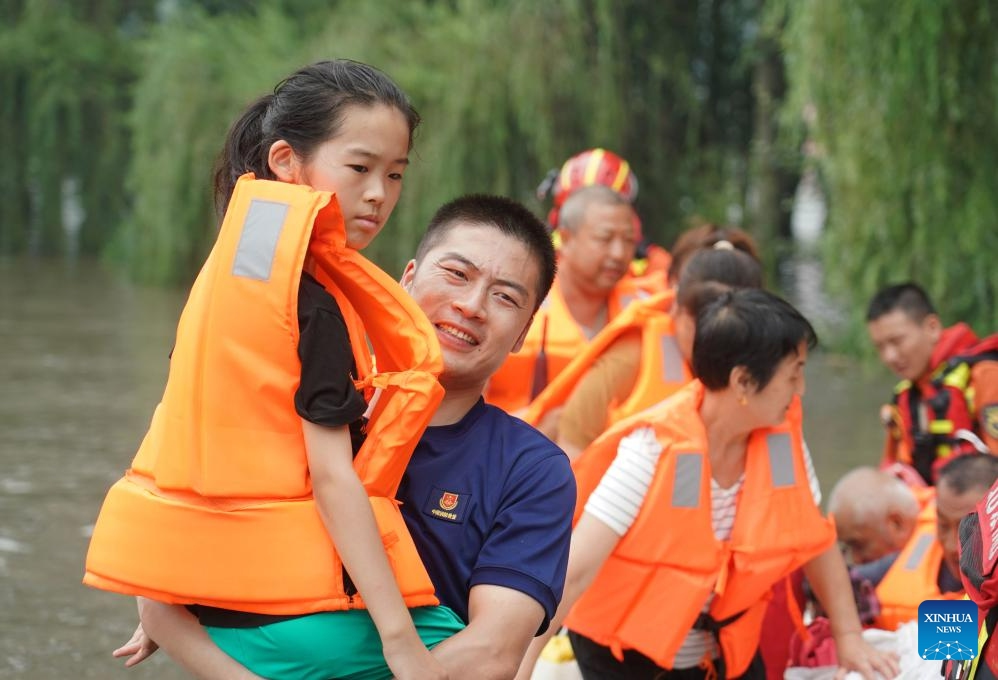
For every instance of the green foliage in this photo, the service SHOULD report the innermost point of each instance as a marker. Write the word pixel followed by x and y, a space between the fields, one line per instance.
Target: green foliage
pixel 906 97
pixel 64 72
pixel 131 100
pixel 199 72
pixel 508 89
pixel 496 88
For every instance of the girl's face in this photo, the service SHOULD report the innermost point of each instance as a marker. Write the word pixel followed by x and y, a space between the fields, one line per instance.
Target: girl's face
pixel 363 165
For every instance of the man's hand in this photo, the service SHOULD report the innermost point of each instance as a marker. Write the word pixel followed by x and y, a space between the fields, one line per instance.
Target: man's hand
pixel 139 648
pixel 412 661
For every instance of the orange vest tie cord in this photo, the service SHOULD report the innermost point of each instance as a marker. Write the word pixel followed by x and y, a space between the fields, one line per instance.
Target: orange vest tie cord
pixel 217 508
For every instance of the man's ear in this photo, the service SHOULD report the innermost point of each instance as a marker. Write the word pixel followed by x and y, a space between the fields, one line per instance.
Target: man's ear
pixel 899 527
pixel 407 274
pixel 933 325
pixel 284 162
pixel 562 236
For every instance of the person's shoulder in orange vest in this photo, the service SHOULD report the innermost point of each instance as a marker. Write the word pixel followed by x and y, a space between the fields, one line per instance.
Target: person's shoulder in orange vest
pixel 597 243
pixel 626 554
pixel 643 355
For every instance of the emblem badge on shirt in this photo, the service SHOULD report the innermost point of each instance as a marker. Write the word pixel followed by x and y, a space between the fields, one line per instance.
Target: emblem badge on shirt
pixel 447 505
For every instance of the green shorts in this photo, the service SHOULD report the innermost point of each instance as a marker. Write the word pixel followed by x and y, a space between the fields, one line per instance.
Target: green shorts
pixel 342 645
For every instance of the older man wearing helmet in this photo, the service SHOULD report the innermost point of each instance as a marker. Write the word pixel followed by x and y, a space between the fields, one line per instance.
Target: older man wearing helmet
pixel 598 231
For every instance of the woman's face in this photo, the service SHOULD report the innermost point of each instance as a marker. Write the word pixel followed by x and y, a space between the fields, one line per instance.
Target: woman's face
pixel 769 405
pixel 363 165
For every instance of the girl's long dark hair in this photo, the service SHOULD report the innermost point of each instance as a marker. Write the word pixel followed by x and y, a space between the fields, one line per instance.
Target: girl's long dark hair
pixel 305 109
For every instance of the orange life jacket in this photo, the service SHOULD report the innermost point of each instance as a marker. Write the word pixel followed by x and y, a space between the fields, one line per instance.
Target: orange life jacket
pixel 661 371
pixel 913 577
pixel 925 495
pixel 217 507
pixel 651 591
pixel 654 259
pixel 554 339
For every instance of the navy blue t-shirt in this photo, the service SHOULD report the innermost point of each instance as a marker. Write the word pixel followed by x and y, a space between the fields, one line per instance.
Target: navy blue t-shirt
pixel 489 501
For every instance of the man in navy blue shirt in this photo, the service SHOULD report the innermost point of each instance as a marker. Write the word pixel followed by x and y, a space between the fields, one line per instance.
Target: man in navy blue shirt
pixel 488 499
pixel 485 495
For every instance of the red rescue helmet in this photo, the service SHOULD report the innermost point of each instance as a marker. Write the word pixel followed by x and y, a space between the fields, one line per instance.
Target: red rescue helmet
pixel 594 166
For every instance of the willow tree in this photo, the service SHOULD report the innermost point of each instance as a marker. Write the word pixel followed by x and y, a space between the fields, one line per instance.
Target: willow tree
pixel 199 72
pixel 65 69
pixel 906 96
pixel 511 89
pixel 507 90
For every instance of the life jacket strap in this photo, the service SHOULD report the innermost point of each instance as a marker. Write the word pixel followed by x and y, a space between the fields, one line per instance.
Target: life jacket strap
pixel 708 623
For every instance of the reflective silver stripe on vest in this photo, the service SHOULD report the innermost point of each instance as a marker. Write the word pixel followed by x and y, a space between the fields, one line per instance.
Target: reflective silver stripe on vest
pixel 258 242
pixel 672 360
pixel 922 547
pixel 686 483
pixel 781 459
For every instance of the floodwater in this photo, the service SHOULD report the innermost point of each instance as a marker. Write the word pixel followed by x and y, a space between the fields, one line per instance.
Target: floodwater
pixel 83 358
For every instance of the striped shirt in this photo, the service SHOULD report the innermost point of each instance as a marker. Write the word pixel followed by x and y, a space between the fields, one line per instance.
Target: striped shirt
pixel 621 493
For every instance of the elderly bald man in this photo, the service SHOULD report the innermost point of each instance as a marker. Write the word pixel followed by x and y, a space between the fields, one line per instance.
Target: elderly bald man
pixel 875 514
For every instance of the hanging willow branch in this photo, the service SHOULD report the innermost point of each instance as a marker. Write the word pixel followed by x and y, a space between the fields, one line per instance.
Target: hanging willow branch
pixel 906 96
pixel 65 71
pixel 507 90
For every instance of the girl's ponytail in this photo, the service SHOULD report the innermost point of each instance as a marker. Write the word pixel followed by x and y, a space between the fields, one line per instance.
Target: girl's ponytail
pixel 243 151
